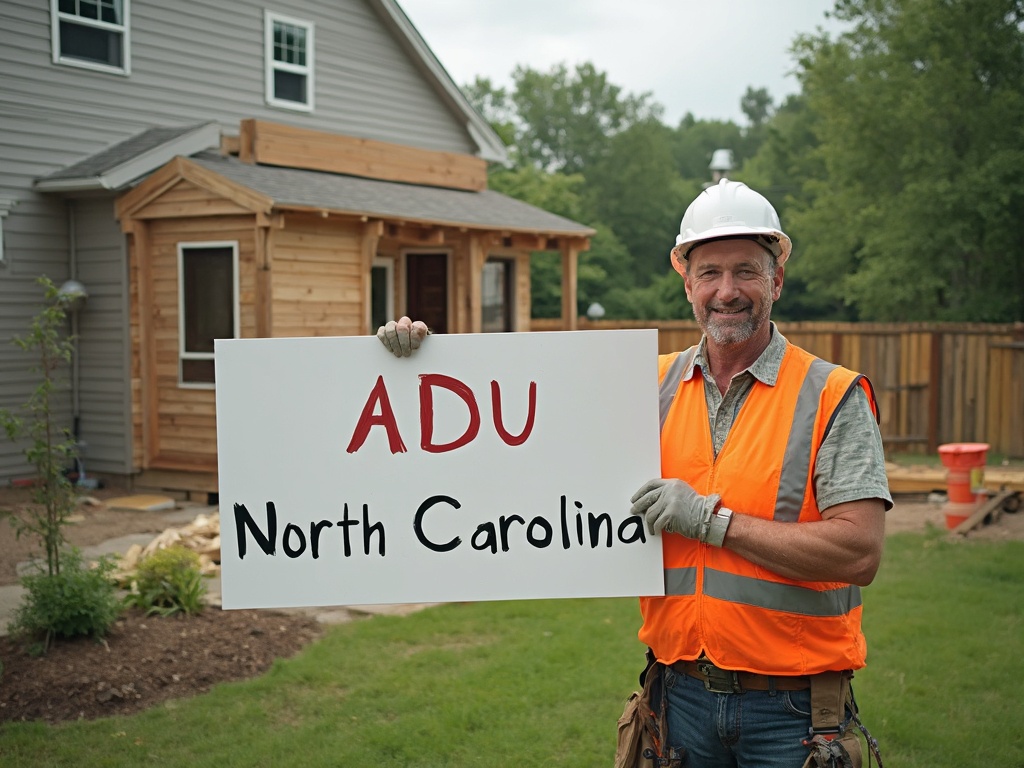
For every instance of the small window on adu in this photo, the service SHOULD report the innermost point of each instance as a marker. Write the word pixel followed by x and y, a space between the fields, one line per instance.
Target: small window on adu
pixel 207 306
pixel 91 34
pixel 497 296
pixel 289 62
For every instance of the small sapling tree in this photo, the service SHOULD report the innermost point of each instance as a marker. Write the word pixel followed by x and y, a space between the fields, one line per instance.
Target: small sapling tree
pixel 51 448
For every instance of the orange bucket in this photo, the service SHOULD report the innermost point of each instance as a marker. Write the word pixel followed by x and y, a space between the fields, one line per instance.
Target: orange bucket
pixel 965 471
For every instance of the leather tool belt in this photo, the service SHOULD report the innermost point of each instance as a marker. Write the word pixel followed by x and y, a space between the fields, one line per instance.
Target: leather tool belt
pixel 719 680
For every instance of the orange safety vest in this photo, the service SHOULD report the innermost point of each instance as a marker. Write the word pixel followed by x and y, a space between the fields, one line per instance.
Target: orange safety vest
pixel 743 616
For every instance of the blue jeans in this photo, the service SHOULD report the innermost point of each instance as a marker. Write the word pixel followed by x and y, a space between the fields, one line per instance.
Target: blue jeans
pixel 754 729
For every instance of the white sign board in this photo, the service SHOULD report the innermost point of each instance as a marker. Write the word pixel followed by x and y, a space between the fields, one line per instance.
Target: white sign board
pixel 484 467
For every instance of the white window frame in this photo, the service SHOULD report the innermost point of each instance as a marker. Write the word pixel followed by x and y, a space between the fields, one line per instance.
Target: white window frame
pixel 183 354
pixel 124 29
pixel 271 65
pixel 388 265
pixel 511 264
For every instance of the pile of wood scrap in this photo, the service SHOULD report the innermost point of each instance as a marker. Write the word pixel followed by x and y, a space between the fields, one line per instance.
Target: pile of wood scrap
pixel 202 536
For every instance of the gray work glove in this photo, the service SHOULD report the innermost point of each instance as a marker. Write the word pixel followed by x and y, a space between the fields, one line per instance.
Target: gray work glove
pixel 673 506
pixel 401 337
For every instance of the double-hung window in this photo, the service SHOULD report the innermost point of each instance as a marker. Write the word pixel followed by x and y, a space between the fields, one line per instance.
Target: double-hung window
pixel 207 306
pixel 288 53
pixel 91 33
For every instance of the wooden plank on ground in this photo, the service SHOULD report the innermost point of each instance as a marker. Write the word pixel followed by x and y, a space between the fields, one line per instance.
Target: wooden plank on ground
pixel 987 513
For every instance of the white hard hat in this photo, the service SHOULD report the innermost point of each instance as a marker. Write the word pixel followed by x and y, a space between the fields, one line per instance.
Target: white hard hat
pixel 730 209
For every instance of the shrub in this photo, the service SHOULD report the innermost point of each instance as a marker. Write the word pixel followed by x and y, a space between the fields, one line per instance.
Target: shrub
pixel 78 600
pixel 169 581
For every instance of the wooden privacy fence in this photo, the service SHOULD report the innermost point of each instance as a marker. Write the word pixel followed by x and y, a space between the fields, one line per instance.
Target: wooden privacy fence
pixel 935 382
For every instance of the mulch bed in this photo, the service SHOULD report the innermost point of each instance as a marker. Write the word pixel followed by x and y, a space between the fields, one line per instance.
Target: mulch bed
pixel 144 661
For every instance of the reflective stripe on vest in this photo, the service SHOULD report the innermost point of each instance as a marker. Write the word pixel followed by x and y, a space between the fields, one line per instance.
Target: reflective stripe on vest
pixel 760 593
pixel 774 596
pixel 669 384
pixel 680 581
pixel 796 464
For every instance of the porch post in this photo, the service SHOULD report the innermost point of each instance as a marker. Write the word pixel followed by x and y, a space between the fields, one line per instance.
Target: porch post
pixel 570 257
pixel 478 247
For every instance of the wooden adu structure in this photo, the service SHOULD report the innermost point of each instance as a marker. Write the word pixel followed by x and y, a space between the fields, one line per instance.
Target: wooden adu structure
pixel 295 232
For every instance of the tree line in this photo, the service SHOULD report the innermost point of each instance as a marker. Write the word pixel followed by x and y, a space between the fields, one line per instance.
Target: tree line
pixel 896 169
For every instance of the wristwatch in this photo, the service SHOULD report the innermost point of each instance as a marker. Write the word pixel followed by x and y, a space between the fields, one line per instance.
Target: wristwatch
pixel 719 525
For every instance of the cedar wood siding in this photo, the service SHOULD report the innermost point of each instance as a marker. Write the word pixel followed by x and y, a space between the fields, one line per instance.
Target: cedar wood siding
pixel 184 421
pixel 192 61
pixel 317 277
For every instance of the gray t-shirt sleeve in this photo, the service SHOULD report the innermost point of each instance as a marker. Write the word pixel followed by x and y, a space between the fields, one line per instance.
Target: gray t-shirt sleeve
pixel 851 461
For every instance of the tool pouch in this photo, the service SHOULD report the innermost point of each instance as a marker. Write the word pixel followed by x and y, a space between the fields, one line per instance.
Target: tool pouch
pixel 643 725
pixel 833 740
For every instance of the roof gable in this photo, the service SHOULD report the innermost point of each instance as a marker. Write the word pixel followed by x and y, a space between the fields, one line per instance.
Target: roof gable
pixel 491 146
pixel 180 168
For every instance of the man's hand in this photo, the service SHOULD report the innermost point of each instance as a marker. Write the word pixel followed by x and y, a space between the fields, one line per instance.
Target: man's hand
pixel 673 506
pixel 402 336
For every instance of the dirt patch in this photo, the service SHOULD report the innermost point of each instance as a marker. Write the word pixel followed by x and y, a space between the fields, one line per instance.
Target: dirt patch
pixel 917 514
pixel 93 522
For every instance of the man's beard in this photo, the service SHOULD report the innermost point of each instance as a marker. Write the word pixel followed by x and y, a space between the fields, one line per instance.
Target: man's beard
pixel 727 333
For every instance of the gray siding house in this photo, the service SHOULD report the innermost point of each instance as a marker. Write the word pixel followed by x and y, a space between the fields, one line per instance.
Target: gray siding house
pixel 307 164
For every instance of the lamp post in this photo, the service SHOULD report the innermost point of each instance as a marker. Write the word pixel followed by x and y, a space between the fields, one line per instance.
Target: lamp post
pixel 72 294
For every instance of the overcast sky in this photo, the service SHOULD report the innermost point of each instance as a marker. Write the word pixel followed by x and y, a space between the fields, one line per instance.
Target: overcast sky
pixel 695 56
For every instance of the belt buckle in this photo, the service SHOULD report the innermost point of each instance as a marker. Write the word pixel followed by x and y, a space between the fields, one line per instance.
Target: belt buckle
pixel 718 680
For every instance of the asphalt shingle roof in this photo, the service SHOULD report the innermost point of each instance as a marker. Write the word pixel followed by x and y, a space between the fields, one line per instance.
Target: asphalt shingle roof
pixel 124 152
pixel 389 199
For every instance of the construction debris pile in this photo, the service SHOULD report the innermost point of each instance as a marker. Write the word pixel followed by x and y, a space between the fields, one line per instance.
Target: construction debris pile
pixel 202 536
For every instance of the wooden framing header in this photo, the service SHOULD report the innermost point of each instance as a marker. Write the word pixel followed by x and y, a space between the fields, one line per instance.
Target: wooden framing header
pixel 268 143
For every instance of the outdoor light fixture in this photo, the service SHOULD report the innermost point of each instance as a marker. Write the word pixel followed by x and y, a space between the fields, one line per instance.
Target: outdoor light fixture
pixel 73 294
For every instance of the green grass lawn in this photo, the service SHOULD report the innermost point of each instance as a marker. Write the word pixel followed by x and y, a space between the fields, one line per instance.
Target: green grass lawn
pixel 541 683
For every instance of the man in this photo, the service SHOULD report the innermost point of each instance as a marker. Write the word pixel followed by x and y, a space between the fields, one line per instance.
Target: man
pixel 772 498
pixel 771 501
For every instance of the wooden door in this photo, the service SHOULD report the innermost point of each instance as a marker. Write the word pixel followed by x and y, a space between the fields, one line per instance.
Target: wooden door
pixel 427 289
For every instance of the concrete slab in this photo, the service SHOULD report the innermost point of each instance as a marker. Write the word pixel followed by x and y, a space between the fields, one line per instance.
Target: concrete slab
pixel 10 599
pixel 141 502
pixel 117 546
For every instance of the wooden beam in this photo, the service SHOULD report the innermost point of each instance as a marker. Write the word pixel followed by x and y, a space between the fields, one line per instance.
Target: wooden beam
pixel 293 147
pixel 416 234
pixel 229 145
pixel 526 241
pixel 372 231
pixel 264 304
pixel 246 141
pixel 164 480
pixel 478 248
pixel 140 250
pixel 570 262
